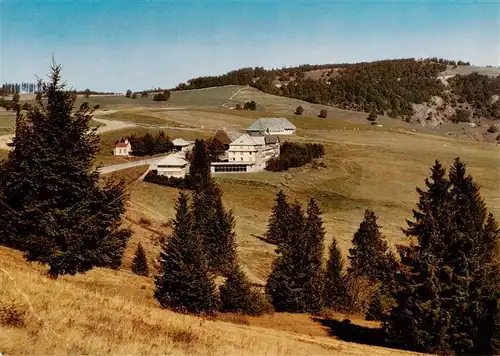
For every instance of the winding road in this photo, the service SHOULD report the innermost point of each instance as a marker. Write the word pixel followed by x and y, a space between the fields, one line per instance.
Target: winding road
pixel 120 166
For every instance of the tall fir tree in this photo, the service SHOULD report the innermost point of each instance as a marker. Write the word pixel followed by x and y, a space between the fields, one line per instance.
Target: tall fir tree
pixel 216 228
pixel 473 265
pixel 296 281
pixel 447 295
pixel 184 283
pixel 140 262
pixel 276 227
pixel 52 205
pixel 281 285
pixel 334 292
pixel 313 244
pixel 418 322
pixel 368 256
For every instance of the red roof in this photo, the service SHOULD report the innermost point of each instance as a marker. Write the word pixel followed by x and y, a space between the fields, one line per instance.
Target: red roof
pixel 223 137
pixel 121 144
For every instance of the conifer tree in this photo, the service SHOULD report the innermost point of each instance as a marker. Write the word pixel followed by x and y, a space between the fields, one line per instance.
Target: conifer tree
pixel 447 295
pixel 52 205
pixel 368 256
pixel 473 265
pixel 140 262
pixel 216 228
pixel 237 295
pixel 312 262
pixel 334 282
pixel 277 225
pixel 281 286
pixel 296 281
pixel 183 283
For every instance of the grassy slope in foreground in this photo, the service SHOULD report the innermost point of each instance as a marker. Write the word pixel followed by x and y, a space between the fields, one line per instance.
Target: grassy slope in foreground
pixel 113 312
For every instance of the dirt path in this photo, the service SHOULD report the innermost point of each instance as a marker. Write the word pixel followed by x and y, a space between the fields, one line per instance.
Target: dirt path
pixel 108 125
pixel 226 104
pixel 112 125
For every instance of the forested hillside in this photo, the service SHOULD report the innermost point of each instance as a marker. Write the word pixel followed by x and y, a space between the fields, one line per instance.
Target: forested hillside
pixel 388 87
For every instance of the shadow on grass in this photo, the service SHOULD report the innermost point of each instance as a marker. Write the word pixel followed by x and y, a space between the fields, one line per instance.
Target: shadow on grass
pixel 262 238
pixel 347 331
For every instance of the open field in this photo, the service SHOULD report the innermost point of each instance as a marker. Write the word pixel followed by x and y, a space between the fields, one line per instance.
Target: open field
pixel 465 70
pixel 209 97
pixel 146 117
pixel 7 122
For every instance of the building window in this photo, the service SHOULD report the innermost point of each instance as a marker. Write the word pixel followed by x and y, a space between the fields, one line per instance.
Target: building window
pixel 230 168
pixel 242 158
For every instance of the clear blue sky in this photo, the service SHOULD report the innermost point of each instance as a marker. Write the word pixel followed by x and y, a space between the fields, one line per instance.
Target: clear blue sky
pixel 114 45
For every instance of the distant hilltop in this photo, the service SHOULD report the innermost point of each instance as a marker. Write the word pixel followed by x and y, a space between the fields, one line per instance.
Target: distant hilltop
pixel 427 91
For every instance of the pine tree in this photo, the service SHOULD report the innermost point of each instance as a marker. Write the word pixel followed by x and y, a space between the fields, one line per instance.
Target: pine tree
pixel 281 286
pixel 183 283
pixel 368 256
pixel 52 204
pixel 418 294
pixel 277 225
pixel 473 263
pixel 237 295
pixel 296 281
pixel 334 282
pixel 140 263
pixel 216 228
pixel 447 296
pixel 312 262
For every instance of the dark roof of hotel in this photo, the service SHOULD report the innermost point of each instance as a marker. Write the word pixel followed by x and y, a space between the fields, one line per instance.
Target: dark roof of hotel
pixel 271 139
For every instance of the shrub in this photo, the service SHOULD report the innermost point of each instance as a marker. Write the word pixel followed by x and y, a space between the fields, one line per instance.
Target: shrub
pixel 299 110
pixel 181 183
pixel 144 222
pixel 372 116
pixel 239 107
pixel 380 305
pixel 498 138
pixel 250 105
pixel 460 115
pixel 12 315
pixel 323 114
pixel 315 164
pixel 492 129
pixel 162 96
pixel 360 292
pixel 295 155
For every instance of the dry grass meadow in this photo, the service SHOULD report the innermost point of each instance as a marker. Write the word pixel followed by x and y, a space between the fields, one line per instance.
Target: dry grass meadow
pixel 114 312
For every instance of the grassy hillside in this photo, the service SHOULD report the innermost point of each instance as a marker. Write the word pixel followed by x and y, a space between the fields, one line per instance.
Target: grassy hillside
pixel 113 312
pixel 106 311
pixel 388 87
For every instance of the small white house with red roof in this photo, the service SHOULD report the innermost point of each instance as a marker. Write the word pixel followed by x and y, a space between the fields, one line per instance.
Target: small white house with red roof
pixel 122 147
